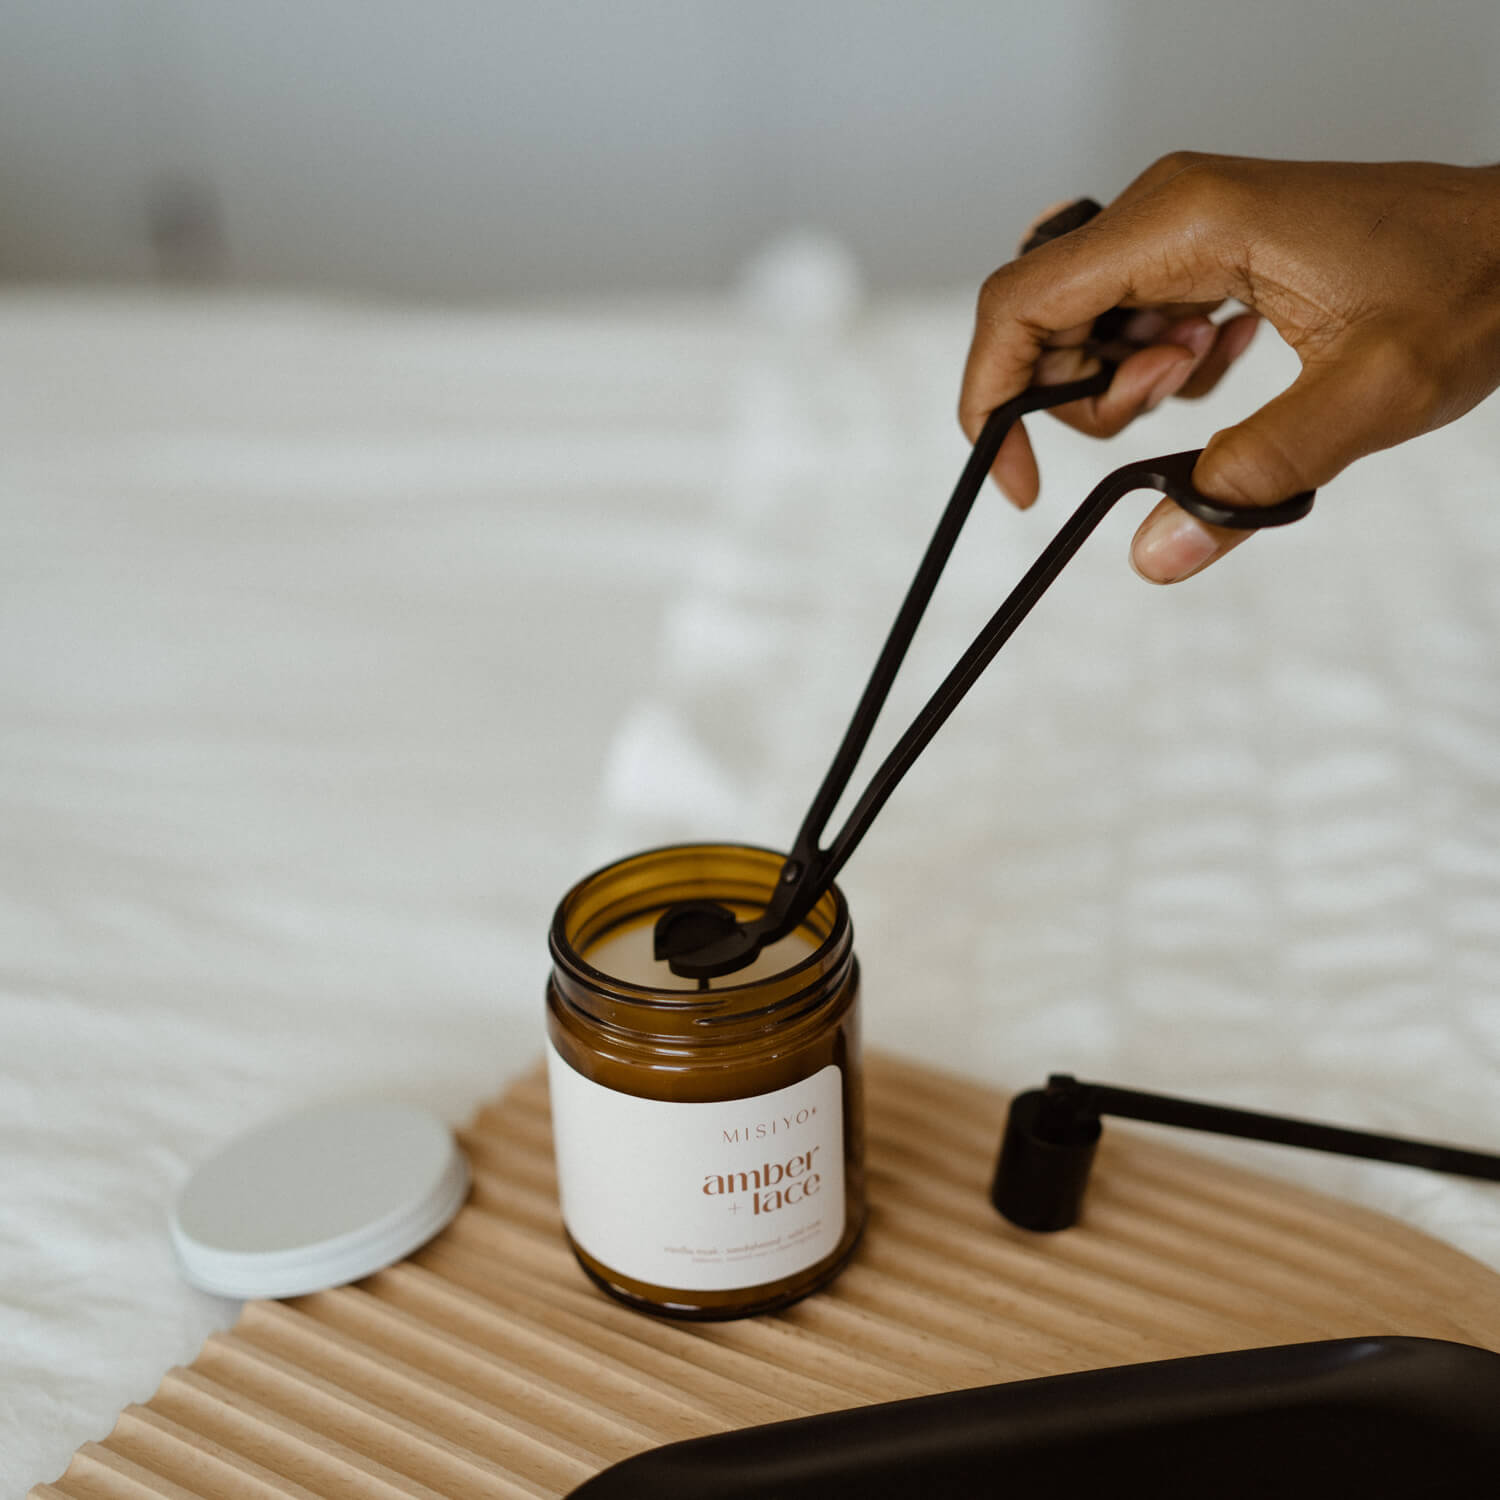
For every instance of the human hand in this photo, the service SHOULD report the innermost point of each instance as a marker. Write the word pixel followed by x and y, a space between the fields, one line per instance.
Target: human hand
pixel 1383 277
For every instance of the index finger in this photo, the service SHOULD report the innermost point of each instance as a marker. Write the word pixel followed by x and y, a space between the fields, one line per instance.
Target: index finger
pixel 1148 251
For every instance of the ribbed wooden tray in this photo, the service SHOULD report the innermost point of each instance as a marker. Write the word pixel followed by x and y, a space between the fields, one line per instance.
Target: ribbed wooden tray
pixel 485 1365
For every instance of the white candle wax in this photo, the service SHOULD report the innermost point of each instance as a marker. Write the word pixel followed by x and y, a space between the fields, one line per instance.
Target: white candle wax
pixel 625 954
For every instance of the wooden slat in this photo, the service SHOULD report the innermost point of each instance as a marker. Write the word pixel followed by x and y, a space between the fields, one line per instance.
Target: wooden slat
pixel 195 1462
pixel 488 1365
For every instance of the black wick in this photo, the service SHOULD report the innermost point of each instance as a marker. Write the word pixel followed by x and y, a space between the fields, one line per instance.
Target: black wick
pixel 702 939
pixel 1051 1135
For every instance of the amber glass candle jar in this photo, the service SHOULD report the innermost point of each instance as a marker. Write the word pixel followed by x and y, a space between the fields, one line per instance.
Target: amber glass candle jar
pixel 710 1149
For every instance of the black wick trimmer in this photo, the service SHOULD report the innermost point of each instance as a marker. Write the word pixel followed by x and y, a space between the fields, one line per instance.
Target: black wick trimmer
pixel 1051 1134
pixel 704 939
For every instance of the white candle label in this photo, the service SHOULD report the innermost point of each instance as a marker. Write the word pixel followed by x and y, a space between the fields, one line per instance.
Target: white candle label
pixel 701 1197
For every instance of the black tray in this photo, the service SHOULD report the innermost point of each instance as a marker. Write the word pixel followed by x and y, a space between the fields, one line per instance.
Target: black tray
pixel 1375 1416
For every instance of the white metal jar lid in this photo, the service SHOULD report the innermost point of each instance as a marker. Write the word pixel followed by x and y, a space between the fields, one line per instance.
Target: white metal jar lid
pixel 318 1199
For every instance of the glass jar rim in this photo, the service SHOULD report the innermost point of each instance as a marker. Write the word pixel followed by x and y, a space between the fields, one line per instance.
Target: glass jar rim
pixel 828 921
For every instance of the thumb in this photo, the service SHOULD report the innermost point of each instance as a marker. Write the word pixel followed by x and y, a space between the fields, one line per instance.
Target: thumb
pixel 1346 404
pixel 1337 410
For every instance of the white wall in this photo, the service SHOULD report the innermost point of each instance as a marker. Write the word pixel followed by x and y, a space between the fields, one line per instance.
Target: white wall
pixel 459 148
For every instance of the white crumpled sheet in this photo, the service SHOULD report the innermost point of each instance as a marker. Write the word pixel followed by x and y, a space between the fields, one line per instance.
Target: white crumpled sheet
pixel 335 641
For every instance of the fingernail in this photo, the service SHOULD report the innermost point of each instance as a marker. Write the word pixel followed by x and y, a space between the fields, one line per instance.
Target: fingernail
pixel 1197 335
pixel 1168 383
pixel 1171 547
pixel 1142 327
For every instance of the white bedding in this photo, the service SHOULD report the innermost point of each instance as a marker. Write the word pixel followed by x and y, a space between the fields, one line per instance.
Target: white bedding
pixel 335 641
